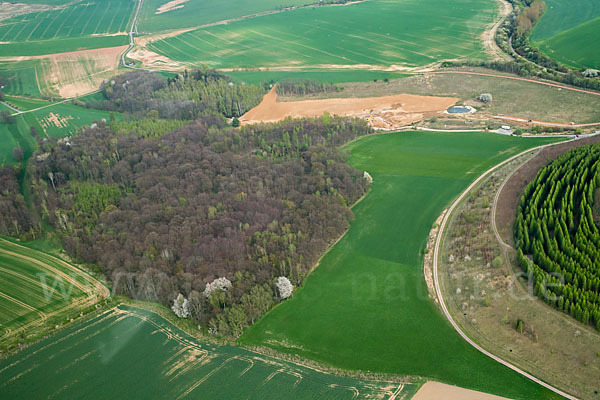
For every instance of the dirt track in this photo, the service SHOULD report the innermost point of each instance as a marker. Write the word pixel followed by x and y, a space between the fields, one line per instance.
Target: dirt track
pixel 387 112
pixel 489 36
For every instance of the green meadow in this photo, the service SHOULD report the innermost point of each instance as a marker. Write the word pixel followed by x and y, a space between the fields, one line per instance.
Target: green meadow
pixel 378 32
pixel 78 25
pixel 339 76
pixel 196 13
pixel 132 353
pixel 20 78
pixel 53 46
pixel 49 2
pixel 65 119
pixel 366 306
pixel 56 120
pixel 575 47
pixel 25 103
pixel 568 30
pixel 562 15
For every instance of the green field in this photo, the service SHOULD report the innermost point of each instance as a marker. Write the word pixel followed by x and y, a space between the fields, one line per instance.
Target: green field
pixel 134 354
pixel 65 119
pixel 339 76
pixel 201 12
pixel 566 31
pixel 76 26
pixel 49 2
pixel 378 32
pixel 574 47
pixel 21 78
pixel 43 47
pixel 82 18
pixel 25 103
pixel 562 15
pixel 366 306
pixel 58 120
pixel 39 290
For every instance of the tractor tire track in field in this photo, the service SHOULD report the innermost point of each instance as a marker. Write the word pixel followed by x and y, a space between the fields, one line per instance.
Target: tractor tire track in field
pixel 438 291
pixel 92 288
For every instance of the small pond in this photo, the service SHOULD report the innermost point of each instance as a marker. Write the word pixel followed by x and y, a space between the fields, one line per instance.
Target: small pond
pixel 460 110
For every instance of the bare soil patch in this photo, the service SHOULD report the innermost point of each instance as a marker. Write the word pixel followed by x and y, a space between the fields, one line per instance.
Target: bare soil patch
pixel 511 194
pixel 488 37
pixel 436 391
pixel 55 120
pixel 79 72
pixel 11 10
pixel 524 99
pixel 387 112
pixel 154 60
pixel 171 5
pixel 428 258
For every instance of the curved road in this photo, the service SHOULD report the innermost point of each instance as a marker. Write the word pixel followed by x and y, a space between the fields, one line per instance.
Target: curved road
pixel 438 290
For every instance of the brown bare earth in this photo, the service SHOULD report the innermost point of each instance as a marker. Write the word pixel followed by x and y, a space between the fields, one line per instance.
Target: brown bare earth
pixel 438 391
pixel 387 112
pixel 154 60
pixel 488 37
pixel 79 72
pixel 511 194
pixel 11 10
pixel 171 5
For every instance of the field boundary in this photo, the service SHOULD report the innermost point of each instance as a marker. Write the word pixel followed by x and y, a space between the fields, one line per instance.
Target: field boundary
pixel 438 291
pixel 92 288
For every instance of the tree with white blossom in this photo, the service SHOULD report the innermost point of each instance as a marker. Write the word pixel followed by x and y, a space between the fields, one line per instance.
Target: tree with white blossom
pixel 218 284
pixel 181 307
pixel 284 287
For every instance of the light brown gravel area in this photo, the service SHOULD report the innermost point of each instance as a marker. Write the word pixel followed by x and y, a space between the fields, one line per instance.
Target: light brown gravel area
pixel 387 112
pixel 440 391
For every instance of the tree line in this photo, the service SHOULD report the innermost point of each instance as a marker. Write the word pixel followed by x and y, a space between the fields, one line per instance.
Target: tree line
pixel 183 97
pixel 301 87
pixel 557 238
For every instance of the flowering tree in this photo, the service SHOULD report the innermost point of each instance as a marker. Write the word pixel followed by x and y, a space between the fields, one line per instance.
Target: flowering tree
pixel 284 287
pixel 485 97
pixel 218 284
pixel 181 307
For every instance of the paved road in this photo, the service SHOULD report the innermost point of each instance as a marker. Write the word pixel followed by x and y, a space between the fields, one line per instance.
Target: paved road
pixel 436 255
pixel 132 31
pixel 11 107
